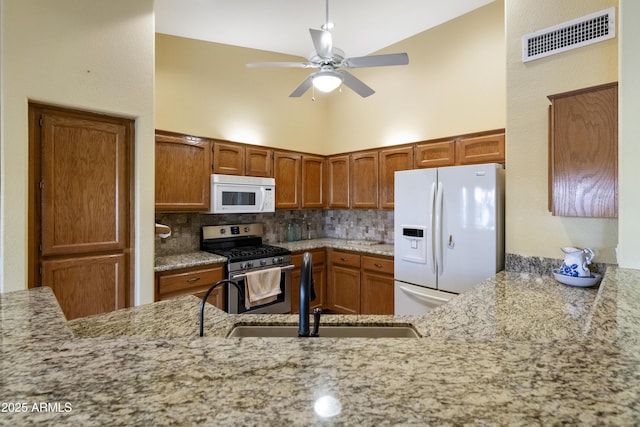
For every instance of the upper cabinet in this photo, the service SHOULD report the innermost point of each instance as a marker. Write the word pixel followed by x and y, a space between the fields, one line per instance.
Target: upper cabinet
pixel 361 179
pixel 287 173
pixel 258 161
pixel 338 181
pixel 228 158
pixel 480 149
pixel 363 170
pixel 583 152
pixel 435 154
pixel 183 168
pixel 392 160
pixel 313 177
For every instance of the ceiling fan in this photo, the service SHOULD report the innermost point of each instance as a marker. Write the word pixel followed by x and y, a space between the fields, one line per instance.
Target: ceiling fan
pixel 330 61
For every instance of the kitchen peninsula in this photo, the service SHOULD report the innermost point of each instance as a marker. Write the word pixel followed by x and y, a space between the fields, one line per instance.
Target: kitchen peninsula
pixel 518 349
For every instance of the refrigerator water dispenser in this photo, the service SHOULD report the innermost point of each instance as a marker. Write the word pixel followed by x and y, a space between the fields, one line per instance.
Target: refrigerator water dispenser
pixel 414 242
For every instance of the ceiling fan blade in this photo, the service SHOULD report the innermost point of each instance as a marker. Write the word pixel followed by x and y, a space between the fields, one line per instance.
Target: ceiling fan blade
pixel 302 87
pixel 322 42
pixel 355 84
pixel 376 60
pixel 280 65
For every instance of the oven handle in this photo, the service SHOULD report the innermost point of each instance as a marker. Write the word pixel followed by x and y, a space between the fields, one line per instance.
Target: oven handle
pixel 241 275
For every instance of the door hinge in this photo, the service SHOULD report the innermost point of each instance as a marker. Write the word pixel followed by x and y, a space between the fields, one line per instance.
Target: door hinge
pixel 41 185
pixel 40 121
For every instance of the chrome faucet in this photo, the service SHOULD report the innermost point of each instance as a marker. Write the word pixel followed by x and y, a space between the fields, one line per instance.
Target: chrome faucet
pixel 204 298
pixel 307 294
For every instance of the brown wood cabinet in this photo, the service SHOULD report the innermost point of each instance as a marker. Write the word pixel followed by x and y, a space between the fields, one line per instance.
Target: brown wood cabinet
pixel 343 286
pixel 318 258
pixel 338 181
pixel 80 215
pixel 583 152
pixel 287 173
pixel 313 176
pixel 258 161
pixel 183 170
pixel 392 160
pixel 377 285
pixel 480 149
pixel 87 285
pixel 435 154
pixel 364 171
pixel 228 158
pixel 191 281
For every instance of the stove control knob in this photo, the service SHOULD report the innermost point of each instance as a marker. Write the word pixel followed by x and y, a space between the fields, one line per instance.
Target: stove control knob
pixel 243 265
pixel 249 264
pixel 263 262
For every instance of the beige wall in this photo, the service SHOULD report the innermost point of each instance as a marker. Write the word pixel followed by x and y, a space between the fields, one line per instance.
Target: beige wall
pixel 530 228
pixel 206 89
pixel 454 84
pixel 93 55
pixel 629 135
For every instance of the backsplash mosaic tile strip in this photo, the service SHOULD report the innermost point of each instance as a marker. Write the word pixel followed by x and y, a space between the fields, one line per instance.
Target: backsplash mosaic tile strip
pixel 376 225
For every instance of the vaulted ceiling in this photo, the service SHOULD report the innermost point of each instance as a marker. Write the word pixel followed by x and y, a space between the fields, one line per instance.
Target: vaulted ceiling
pixel 360 26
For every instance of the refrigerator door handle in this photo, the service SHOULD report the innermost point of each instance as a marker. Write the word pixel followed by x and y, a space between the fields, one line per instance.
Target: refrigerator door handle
pixel 422 296
pixel 438 229
pixel 430 242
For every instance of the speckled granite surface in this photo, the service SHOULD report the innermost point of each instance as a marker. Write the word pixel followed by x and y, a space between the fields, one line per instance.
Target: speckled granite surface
pixel 520 349
pixel 200 258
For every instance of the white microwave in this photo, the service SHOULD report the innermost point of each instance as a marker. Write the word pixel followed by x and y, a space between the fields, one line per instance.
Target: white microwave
pixel 242 194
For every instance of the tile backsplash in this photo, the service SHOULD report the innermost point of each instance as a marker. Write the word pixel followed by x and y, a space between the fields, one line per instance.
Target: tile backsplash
pixel 358 224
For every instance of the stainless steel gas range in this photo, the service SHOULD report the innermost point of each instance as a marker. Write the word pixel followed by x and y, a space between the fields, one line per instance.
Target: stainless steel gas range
pixel 246 255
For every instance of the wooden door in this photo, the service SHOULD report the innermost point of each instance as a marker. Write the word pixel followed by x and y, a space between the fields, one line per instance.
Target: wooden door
pixel 183 173
pixel 363 169
pixel 258 162
pixel 228 158
pixel 84 186
pixel 287 173
pixel 338 181
pixel 80 211
pixel 87 285
pixel 392 160
pixel 312 181
pixel 377 293
pixel 343 290
pixel 584 152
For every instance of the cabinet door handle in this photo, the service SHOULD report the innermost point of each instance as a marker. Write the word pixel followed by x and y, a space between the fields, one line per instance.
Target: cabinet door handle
pixel 193 279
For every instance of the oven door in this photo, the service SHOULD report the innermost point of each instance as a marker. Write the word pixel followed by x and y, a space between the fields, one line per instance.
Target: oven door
pixel 282 304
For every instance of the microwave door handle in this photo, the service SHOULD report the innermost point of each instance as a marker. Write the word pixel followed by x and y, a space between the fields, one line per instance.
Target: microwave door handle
pixel 263 193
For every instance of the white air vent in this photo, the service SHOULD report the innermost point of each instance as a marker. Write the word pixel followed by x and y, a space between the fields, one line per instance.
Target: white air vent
pixel 580 32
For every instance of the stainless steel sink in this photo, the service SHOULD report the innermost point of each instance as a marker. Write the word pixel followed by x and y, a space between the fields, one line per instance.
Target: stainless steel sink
pixel 328 331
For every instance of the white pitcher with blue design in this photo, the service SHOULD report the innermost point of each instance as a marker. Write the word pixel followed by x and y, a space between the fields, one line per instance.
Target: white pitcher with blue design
pixel 576 262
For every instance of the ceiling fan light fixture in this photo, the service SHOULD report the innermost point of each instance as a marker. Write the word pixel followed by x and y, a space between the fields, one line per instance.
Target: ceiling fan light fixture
pixel 326 81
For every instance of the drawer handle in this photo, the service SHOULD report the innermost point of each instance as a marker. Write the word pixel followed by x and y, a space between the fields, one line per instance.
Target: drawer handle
pixel 193 279
pixel 344 259
pixel 377 265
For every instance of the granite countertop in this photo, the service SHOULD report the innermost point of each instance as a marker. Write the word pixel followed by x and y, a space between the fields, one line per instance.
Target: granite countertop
pixel 519 349
pixel 200 258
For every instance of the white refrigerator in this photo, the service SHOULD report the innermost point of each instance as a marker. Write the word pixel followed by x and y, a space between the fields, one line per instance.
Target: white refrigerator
pixel 449 233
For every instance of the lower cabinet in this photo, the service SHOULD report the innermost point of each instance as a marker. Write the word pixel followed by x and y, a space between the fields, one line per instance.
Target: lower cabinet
pixel 318 258
pixel 377 285
pixel 359 284
pixel 191 281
